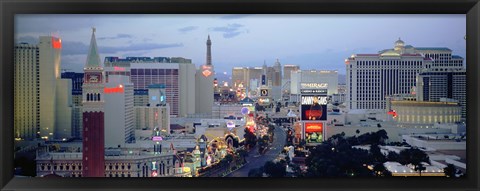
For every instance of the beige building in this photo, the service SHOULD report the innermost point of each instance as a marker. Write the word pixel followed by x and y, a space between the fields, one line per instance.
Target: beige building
pixel 244 75
pixel 423 114
pixel 42 102
pixel 156 114
pixel 204 84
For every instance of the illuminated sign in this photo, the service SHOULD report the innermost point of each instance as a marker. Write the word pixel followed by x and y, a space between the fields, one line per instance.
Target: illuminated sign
pixel 56 43
pixel 313 91
pixel 314 132
pixel 157 138
pixel 230 125
pixel 313 127
pixel 314 85
pixel 154 173
pixel 392 113
pixel 264 101
pixel 116 68
pixel 206 70
pixel 310 99
pixel 118 89
pixel 206 73
pixel 263 92
pixel 245 110
pixel 313 107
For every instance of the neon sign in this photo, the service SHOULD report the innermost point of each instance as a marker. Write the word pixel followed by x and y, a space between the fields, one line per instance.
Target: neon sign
pixel 154 173
pixel 245 110
pixel 118 89
pixel 313 127
pixel 157 139
pixel 393 113
pixel 206 70
pixel 309 100
pixel 314 85
pixel 206 73
pixel 116 68
pixel 56 43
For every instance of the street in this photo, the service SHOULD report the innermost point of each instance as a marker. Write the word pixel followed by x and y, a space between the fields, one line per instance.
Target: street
pixel 255 160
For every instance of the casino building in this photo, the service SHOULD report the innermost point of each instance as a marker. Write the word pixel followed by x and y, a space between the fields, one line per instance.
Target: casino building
pixel 409 112
pixel 372 77
pixel 42 103
pixel 204 84
pixel 178 75
pixel 118 163
pixel 77 81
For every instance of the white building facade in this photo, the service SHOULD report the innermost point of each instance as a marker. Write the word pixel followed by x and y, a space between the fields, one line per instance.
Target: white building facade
pixel 156 114
pixel 119 111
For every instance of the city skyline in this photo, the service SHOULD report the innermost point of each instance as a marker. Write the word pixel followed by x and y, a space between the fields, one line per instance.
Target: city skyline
pixel 304 40
pixel 155 118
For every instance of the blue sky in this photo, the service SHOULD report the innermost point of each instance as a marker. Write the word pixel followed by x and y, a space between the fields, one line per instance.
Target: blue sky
pixel 311 41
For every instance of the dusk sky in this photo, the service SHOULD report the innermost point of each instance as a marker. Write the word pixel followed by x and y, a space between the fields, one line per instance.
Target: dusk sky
pixel 311 41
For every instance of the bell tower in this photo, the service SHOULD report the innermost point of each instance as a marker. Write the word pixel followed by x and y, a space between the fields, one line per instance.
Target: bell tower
pixel 93 159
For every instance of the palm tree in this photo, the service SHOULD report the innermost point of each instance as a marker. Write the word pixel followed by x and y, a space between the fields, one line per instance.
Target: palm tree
pixel 416 157
pixel 243 154
pixel 450 170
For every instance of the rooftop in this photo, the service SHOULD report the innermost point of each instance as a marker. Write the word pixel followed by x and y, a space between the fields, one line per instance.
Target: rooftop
pixel 433 48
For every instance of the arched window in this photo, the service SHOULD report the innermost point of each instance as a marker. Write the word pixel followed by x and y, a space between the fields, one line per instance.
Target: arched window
pixel 88 97
pixel 98 97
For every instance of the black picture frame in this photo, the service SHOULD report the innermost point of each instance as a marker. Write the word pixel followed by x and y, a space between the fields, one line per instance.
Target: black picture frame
pixel 8 8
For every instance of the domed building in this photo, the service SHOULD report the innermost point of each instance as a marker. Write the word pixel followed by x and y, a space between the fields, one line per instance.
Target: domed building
pixel 394 71
pixel 399 45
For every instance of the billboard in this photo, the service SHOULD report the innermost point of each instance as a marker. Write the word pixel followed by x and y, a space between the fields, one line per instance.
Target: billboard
pixel 264 92
pixel 314 132
pixel 314 107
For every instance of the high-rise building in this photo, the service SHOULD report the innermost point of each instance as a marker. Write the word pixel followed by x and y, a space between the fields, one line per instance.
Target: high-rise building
pixel 286 80
pixel 178 75
pixel 42 99
pixel 371 77
pixel 93 152
pixel 244 75
pixel 204 84
pixel 156 114
pixel 27 91
pixel 435 85
pixel 277 74
pixel 119 111
pixel 287 69
pixel 77 82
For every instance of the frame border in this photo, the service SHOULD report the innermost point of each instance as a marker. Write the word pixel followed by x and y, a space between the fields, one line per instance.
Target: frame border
pixel 8 8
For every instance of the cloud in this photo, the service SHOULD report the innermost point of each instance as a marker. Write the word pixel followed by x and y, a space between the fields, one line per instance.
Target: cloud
pixel 234 16
pixel 119 36
pixel 26 39
pixel 231 30
pixel 74 48
pixel 187 29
